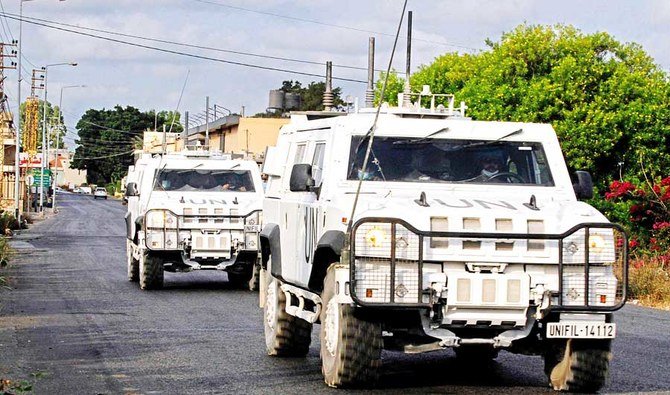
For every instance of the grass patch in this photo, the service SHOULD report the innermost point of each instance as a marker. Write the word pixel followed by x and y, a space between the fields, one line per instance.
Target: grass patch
pixel 649 280
pixel 5 254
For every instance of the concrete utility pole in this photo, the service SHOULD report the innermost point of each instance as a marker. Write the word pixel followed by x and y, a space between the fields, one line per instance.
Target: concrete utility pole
pixel 17 170
pixel 45 148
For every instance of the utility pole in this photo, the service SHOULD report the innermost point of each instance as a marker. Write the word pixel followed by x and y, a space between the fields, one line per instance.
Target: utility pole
pixel 407 100
pixel 6 51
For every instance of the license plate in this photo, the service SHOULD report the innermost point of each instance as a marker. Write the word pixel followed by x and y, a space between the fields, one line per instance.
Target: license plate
pixel 581 330
pixel 252 228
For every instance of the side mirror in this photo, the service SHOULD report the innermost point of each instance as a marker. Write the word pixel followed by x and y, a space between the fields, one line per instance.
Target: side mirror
pixel 584 186
pixel 301 178
pixel 131 189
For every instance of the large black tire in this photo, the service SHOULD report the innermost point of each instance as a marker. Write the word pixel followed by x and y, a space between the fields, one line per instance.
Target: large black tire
pixel 578 365
pixel 151 272
pixel 476 353
pixel 239 280
pixel 285 335
pixel 132 263
pixel 350 347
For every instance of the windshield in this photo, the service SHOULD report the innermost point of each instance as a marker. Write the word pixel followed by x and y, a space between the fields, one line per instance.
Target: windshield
pixel 204 180
pixel 409 159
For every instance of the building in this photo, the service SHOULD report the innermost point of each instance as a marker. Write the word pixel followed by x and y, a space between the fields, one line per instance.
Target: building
pixel 64 175
pixel 8 162
pixel 238 135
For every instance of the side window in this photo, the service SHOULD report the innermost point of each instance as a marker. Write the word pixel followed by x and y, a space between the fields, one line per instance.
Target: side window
pixel 317 162
pixel 300 153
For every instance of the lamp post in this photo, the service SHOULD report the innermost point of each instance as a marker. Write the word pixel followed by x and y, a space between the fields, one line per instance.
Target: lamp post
pixel 45 156
pixel 17 170
pixel 60 112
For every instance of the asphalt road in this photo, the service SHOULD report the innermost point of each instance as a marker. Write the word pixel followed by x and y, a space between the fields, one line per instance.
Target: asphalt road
pixel 73 324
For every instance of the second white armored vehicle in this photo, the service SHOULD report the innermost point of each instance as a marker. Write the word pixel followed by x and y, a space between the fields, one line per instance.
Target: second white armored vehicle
pixel 193 211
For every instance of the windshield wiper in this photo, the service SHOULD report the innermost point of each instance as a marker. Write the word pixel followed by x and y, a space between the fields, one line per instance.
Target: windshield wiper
pixel 485 143
pixel 421 139
pixel 158 175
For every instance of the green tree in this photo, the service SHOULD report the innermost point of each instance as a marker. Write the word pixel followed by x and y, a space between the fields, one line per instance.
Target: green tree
pixel 312 95
pixel 107 139
pixel 394 85
pixel 608 101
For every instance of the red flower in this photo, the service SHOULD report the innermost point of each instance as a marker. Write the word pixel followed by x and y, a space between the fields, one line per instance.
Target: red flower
pixel 661 225
pixel 632 243
pixel 618 189
pixel 665 182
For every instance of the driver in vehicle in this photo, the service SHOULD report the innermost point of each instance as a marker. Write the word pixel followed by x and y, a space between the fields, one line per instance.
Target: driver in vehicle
pixel 491 170
pixel 233 183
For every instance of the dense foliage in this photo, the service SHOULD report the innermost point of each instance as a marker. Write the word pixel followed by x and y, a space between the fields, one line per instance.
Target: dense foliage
pixel 107 139
pixel 608 101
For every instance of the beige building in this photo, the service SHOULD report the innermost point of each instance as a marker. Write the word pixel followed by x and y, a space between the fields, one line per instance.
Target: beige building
pixel 64 176
pixel 7 161
pixel 238 135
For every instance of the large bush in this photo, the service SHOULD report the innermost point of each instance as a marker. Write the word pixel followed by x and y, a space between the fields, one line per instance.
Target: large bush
pixel 608 101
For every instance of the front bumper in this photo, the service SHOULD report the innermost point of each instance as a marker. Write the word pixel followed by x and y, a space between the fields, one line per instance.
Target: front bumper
pixel 394 272
pixel 212 238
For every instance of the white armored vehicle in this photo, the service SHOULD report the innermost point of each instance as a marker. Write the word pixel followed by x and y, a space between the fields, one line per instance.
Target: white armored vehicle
pixel 193 211
pixel 465 234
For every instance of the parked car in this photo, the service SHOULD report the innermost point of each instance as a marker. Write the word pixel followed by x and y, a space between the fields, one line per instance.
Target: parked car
pixel 100 192
pixel 76 190
pixel 85 190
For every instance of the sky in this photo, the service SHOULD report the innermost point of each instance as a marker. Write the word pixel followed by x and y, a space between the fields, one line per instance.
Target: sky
pixel 310 31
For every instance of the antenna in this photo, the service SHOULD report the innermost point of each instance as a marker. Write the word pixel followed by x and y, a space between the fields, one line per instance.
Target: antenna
pixel 371 132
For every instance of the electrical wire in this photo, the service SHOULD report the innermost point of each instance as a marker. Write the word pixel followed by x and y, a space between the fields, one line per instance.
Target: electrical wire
pixel 327 24
pixel 186 54
pixel 184 44
pixel 103 157
pixel 181 95
pixel 371 133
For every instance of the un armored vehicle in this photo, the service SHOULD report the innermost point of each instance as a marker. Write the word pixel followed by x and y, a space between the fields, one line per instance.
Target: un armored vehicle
pixel 464 234
pixel 193 210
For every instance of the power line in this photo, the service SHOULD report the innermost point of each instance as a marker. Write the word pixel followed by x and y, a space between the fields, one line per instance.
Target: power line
pixel 293 18
pixel 184 44
pixel 103 157
pixel 202 57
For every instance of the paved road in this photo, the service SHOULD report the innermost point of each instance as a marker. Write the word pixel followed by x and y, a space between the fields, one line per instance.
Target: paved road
pixel 75 320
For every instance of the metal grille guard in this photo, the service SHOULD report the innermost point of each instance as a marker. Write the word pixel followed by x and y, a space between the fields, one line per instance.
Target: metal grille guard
pixel 620 245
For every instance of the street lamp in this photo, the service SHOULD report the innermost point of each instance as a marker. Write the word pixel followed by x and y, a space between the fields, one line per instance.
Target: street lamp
pixel 60 112
pixel 17 170
pixel 45 155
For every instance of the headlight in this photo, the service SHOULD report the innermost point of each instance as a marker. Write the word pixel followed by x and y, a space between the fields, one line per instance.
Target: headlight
pixel 161 219
pixel 155 219
pixel 601 247
pixel 375 237
pixel 596 243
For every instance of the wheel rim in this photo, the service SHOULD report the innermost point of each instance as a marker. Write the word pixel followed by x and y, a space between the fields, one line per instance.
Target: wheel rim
pixel 331 325
pixel 271 305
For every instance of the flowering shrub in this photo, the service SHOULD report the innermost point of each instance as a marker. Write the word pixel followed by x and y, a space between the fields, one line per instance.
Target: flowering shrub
pixel 648 213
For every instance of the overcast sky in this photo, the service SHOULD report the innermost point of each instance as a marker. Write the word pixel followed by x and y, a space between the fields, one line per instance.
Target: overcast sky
pixel 306 30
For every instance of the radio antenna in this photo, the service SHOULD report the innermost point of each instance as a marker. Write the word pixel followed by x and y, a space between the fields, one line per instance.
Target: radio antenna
pixel 370 135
